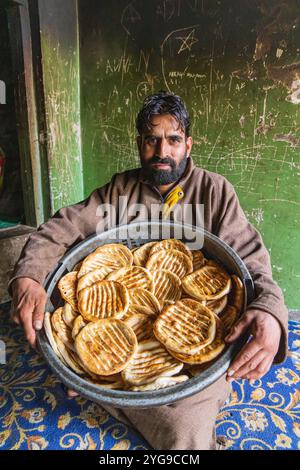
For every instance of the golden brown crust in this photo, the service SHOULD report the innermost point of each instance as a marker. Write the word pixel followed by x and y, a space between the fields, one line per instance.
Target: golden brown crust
pixel 141 254
pixel 145 299
pixel 104 299
pixel 67 286
pixel 111 256
pixel 105 347
pixel 171 244
pixel 150 361
pixel 133 277
pixel 185 327
pixel 171 260
pixel 207 283
pixel 198 259
pixel 61 328
pixel 208 353
pixel 167 286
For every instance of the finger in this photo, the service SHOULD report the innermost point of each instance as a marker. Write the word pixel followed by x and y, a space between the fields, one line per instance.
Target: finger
pixel 15 319
pixel 14 315
pixel 38 315
pixel 246 354
pixel 239 328
pixel 251 364
pixel 26 320
pixel 260 370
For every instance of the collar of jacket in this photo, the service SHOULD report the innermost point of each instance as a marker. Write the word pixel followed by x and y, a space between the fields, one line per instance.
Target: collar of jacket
pixel 181 182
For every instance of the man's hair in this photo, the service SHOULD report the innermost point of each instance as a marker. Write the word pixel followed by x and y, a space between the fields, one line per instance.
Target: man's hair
pixel 163 103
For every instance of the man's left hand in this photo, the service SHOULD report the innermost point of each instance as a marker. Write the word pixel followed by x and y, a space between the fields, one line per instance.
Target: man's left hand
pixel 256 357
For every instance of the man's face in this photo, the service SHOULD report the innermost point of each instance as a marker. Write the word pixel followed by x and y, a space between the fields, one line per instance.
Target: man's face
pixel 163 150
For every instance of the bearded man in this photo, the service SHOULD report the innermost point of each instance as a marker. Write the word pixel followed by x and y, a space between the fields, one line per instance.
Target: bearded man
pixel 164 143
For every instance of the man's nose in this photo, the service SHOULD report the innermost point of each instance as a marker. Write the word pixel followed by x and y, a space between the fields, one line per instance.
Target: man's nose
pixel 162 148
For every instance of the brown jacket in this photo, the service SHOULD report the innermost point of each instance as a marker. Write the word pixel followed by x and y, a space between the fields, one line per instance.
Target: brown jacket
pixel 223 216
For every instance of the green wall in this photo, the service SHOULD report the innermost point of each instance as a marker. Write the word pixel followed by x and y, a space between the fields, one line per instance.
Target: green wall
pixel 236 65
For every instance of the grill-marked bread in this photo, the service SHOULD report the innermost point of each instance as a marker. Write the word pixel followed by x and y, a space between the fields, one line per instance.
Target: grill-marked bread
pixel 105 347
pixel 167 286
pixel 133 277
pixel 185 327
pixel 150 361
pixel 111 256
pixel 104 299
pixel 207 283
pixel 171 260
pixel 208 353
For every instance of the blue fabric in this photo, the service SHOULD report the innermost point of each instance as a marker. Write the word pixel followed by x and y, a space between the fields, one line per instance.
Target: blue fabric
pixel 36 414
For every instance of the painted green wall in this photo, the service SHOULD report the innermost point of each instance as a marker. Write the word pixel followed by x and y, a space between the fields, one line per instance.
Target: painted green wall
pixel 59 42
pixel 236 64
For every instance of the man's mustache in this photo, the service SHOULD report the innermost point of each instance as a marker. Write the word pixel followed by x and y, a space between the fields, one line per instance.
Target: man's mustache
pixel 164 161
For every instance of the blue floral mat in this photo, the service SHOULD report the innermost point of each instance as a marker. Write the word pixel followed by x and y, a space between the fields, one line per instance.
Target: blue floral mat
pixel 36 414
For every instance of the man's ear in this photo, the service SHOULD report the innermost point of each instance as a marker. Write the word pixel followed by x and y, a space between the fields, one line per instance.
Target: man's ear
pixel 189 145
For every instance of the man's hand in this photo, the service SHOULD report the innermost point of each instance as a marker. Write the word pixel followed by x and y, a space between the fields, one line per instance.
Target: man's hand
pixel 28 306
pixel 256 357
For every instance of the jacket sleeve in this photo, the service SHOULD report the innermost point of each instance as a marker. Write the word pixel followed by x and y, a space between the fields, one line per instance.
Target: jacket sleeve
pixel 66 228
pixel 234 228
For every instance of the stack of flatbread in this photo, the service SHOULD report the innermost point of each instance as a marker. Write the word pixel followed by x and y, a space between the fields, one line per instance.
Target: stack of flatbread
pixel 145 318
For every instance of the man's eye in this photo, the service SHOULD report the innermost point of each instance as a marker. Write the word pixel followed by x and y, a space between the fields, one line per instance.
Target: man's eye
pixel 174 140
pixel 151 140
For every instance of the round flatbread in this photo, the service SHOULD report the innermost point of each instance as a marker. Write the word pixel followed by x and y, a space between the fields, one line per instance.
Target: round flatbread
pixel 150 361
pixel 105 347
pixel 62 329
pixel 217 306
pixel 67 286
pixel 160 382
pixel 141 254
pixel 236 296
pixel 111 256
pixel 167 286
pixel 69 314
pixel 93 276
pixel 79 323
pixel 171 260
pixel 229 316
pixel 171 244
pixel 208 353
pixel 104 299
pixel 207 283
pixel 142 325
pixel 185 327
pixel 144 298
pixel 198 259
pixel 133 277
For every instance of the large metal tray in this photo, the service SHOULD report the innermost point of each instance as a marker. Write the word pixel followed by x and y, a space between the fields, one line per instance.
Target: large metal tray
pixel 131 235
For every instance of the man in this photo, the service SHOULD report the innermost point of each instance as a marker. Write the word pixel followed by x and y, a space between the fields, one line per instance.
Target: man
pixel 165 146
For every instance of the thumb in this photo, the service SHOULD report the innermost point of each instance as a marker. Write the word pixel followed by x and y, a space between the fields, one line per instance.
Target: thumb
pixel 239 328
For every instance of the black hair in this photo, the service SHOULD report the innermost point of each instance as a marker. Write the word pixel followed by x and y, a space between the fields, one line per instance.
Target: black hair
pixel 163 103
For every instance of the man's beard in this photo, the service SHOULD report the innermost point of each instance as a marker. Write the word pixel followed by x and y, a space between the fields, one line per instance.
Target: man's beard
pixel 161 177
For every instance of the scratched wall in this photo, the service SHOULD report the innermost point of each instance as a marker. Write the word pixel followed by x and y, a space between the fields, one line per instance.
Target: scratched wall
pixel 237 66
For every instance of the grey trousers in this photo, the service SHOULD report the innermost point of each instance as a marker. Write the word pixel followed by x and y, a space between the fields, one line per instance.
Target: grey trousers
pixel 187 424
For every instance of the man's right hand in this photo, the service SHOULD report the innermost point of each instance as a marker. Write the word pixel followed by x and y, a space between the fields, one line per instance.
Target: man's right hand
pixel 28 306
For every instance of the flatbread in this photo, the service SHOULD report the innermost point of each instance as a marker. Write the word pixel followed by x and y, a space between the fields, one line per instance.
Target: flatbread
pixel 133 277
pixel 104 299
pixel 171 260
pixel 150 361
pixel 105 347
pixel 185 327
pixel 207 283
